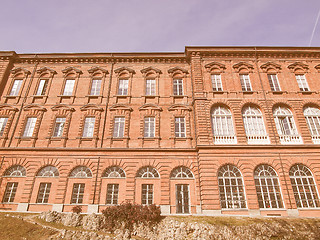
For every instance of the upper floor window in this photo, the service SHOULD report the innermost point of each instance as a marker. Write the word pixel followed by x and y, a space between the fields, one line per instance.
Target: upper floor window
pixel 180 127
pixel 254 125
pixel 216 82
pixel 88 128
pixel 222 126
pixel 68 87
pixel 95 87
pixel 231 187
pixel 274 83
pixel 118 129
pixel 3 123
pixel 16 87
pixel 81 172
pixel 177 87
pixel 303 186
pixel 150 87
pixel 147 172
pixel 123 87
pixel 302 82
pixel 15 171
pixel 114 172
pixel 312 116
pixel 48 171
pixel 59 126
pixel 267 187
pixel 29 127
pixel 42 87
pixel 286 126
pixel 245 83
pixel 149 127
pixel 181 172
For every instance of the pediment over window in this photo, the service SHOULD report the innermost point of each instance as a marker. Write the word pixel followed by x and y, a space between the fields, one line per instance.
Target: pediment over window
pixel 91 107
pixel 97 69
pixel 298 66
pixel 177 70
pixel 7 107
pixel 124 69
pixel 71 70
pixel 179 107
pixel 24 71
pixel 120 107
pixel 63 107
pixel 215 66
pixel 34 107
pixel 151 70
pixel 150 106
pixel 243 66
pixel 270 66
pixel 317 67
pixel 46 70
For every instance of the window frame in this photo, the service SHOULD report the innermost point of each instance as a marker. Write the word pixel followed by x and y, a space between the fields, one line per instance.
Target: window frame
pixel 147 194
pixel 119 122
pixel 96 93
pixel 44 87
pixel 178 88
pixel 302 82
pixel 151 88
pixel 274 82
pixel 66 87
pixel 180 127
pixel 112 197
pixel 88 130
pixel 43 193
pixel 59 129
pixel 11 191
pixel 149 127
pixel 123 87
pixel 28 126
pixel 3 125
pixel 245 82
pixel 77 194
pixel 216 82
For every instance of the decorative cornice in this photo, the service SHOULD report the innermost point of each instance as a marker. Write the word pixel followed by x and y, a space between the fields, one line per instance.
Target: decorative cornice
pixel 151 69
pixel 243 65
pixel 20 69
pixel 179 106
pixel 298 65
pixel 97 69
pixel 150 106
pixel 270 65
pixel 120 106
pixel 71 69
pixel 34 107
pixel 91 107
pixel 8 107
pixel 46 69
pixel 121 69
pixel 62 106
pixel 177 69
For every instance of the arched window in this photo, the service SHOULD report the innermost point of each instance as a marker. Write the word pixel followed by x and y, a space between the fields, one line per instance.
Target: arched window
pixel 48 171
pixel 231 187
pixel 15 171
pixel 181 172
pixel 267 187
pixel 312 116
pixel 254 126
pixel 81 172
pixel 304 188
pixel 222 126
pixel 147 172
pixel 286 126
pixel 114 172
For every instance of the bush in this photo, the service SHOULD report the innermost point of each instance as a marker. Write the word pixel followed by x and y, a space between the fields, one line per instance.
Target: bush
pixel 77 209
pixel 127 214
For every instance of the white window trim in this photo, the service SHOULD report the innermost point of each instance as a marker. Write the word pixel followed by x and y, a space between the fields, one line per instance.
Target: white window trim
pixel 216 82
pixel 245 83
pixel 149 127
pixel 88 127
pixel 274 82
pixel 302 82
pixel 119 127
pixel 30 127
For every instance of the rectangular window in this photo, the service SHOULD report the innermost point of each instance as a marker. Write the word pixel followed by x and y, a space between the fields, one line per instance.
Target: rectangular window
pixel 147 194
pixel 29 128
pixel 150 87
pixel 182 198
pixel 180 127
pixel 10 192
pixel 68 88
pixel 58 127
pixel 3 123
pixel 88 128
pixel 302 82
pixel 42 87
pixel 216 82
pixel 16 88
pixel 123 87
pixel 149 127
pixel 44 191
pixel 112 193
pixel 274 83
pixel 95 87
pixel 118 130
pixel 77 193
pixel 177 87
pixel 245 83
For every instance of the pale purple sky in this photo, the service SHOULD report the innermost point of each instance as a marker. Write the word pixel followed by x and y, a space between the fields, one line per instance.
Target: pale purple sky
pixel 30 26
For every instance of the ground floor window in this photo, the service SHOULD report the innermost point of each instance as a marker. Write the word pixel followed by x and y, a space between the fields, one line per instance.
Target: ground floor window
pixel 182 196
pixel 112 193
pixel 147 194
pixel 77 193
pixel 10 192
pixel 44 191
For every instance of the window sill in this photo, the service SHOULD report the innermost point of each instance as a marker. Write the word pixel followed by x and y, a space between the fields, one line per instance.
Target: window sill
pixel 87 138
pixel 178 96
pixel 57 138
pixel 119 138
pixel 219 92
pixel 180 138
pixel 150 96
pixel 307 92
pixel 277 92
pixel 66 96
pixel 149 138
pixel 12 97
pixel 39 96
pixel 26 138
pixel 249 92
pixel 122 96
pixel 94 96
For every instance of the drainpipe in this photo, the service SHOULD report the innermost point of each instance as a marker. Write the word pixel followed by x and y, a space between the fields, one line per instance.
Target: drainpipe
pixel 24 99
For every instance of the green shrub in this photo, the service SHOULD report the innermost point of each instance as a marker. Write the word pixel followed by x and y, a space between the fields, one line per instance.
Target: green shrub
pixel 127 214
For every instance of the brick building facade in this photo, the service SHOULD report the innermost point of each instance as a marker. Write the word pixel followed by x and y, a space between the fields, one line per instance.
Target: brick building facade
pixel 213 130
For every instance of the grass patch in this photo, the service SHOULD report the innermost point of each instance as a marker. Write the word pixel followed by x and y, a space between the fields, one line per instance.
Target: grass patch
pixel 12 228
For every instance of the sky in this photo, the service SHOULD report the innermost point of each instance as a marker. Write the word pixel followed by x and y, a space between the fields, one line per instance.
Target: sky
pixel 43 26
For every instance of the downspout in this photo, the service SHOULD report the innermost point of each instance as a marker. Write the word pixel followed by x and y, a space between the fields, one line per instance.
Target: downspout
pixel 96 181
pixel 273 127
pixel 24 99
pixel 195 135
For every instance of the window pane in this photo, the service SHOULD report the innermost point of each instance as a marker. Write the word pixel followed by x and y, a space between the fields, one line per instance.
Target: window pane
pixel 216 82
pixel 149 127
pixel 180 129
pixel 112 193
pixel 68 88
pixel 302 82
pixel 3 123
pixel 118 130
pixel 42 87
pixel 44 191
pixel 15 88
pixel 123 87
pixel 88 128
pixel 77 193
pixel 95 87
pixel 10 192
pixel 147 194
pixel 273 81
pixel 29 127
pixel 150 87
pixel 58 127
pixel 245 82
pixel 177 87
